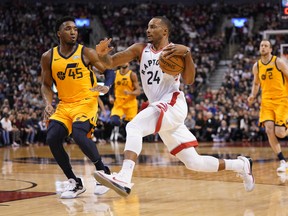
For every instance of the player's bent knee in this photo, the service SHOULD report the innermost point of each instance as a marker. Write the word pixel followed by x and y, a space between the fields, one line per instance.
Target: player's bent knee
pixel 281 134
pixel 78 135
pixel 56 133
pixel 80 130
pixel 133 129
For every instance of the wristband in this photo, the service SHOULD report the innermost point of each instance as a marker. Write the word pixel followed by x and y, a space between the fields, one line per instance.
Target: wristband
pixel 109 77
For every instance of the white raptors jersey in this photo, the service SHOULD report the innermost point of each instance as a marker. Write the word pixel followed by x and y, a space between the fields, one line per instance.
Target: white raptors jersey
pixel 155 83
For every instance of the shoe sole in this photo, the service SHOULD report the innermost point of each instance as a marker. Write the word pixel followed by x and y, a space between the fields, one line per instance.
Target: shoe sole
pixel 122 191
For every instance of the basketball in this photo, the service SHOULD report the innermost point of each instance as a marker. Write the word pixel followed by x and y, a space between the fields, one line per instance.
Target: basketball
pixel 172 66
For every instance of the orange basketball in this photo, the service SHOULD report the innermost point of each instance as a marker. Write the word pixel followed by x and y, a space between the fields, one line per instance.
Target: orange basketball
pixel 172 66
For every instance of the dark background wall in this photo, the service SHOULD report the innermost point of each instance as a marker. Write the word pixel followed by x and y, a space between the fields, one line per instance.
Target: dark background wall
pixel 186 2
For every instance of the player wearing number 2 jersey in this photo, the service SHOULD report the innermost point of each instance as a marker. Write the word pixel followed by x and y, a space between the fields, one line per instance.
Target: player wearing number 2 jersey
pixel 68 66
pixel 166 112
pixel 271 74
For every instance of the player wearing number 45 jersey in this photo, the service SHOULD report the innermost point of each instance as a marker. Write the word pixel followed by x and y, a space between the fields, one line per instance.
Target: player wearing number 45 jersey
pixel 69 67
pixel 166 112
pixel 271 74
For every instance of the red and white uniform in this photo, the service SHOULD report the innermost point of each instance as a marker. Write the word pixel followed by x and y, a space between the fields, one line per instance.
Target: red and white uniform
pixel 167 108
pixel 155 83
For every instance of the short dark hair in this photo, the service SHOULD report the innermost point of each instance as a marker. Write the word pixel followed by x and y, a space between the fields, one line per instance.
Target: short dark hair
pixel 60 21
pixel 166 22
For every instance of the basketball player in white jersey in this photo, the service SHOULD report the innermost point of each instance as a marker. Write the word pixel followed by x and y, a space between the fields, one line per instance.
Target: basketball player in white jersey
pixel 166 112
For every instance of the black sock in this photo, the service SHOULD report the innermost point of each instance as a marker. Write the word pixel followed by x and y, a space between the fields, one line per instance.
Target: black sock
pixel 100 166
pixel 280 156
pixel 107 170
pixel 69 174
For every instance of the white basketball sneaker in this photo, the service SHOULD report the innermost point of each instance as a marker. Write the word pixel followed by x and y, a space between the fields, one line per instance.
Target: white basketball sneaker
pixel 73 189
pixel 114 182
pixel 282 167
pixel 282 177
pixel 246 174
pixel 100 189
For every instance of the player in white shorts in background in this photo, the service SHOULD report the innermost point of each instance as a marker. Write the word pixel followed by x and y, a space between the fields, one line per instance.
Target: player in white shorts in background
pixel 166 112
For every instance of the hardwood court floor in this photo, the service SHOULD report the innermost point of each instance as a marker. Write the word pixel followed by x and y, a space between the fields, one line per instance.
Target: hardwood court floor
pixel 163 186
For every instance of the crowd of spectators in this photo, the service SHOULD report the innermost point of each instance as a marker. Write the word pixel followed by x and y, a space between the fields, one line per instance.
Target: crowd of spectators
pixel 28 30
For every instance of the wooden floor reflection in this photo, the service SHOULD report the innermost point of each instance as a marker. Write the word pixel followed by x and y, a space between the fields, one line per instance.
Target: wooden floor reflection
pixel 30 180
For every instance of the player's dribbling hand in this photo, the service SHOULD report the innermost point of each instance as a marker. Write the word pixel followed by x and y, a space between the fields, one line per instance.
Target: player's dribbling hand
pixel 103 48
pixel 100 88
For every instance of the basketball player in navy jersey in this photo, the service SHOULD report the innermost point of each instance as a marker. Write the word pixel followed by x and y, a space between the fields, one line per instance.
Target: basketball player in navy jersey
pixel 69 67
pixel 166 112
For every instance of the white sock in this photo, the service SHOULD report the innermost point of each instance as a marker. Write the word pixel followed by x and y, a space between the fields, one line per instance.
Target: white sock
pixel 234 164
pixel 112 134
pixel 127 170
pixel 116 129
